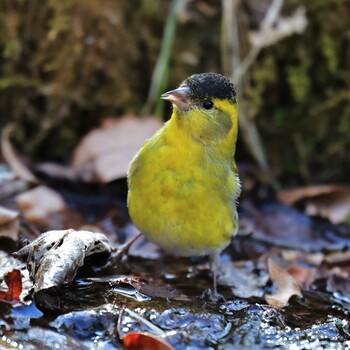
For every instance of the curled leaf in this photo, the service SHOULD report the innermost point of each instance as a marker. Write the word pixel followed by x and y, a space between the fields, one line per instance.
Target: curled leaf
pixel 55 256
pixel 37 203
pixel 329 201
pixel 285 283
pixel 47 209
pixel 104 154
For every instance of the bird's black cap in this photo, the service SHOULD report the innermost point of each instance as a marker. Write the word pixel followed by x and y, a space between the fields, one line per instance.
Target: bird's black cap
pixel 209 85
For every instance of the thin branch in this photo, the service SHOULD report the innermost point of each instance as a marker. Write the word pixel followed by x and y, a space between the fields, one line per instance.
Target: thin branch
pixel 268 22
pixel 272 29
pixel 14 162
pixel 248 127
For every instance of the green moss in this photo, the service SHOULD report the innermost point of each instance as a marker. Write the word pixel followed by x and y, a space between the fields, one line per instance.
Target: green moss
pixel 310 95
pixel 299 80
pixel 330 50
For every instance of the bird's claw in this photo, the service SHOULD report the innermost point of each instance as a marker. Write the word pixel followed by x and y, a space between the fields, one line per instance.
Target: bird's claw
pixel 213 296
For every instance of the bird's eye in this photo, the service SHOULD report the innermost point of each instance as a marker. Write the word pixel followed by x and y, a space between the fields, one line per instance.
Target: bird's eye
pixel 208 104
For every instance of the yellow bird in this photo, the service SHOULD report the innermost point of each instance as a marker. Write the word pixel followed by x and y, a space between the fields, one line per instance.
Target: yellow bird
pixel 183 183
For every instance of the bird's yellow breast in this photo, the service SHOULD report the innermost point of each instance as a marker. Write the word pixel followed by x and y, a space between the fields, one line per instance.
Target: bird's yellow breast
pixel 182 192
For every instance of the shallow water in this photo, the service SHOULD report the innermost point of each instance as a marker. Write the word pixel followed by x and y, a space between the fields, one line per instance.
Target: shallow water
pixel 85 314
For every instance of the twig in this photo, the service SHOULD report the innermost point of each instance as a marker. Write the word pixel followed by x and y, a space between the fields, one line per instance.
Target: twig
pixel 11 158
pixel 268 21
pixel 248 127
pixel 272 29
pixel 121 251
pixel 152 327
pixel 227 39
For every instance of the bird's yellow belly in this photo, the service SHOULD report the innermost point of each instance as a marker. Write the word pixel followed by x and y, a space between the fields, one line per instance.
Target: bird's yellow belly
pixel 184 209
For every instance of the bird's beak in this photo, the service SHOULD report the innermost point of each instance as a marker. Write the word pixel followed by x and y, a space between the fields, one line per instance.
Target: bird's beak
pixel 179 97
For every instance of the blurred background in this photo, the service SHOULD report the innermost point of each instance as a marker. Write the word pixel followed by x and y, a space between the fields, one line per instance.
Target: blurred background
pixel 66 65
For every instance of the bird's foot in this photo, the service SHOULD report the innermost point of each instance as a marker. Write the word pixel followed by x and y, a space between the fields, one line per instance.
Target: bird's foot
pixel 213 296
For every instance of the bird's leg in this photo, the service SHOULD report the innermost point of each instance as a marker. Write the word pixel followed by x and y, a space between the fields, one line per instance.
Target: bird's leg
pixel 214 259
pixel 212 294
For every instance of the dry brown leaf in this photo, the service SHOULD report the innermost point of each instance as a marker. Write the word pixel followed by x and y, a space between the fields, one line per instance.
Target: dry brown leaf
pixel 46 209
pixel 302 275
pixel 39 202
pixel 104 154
pixel 294 195
pixel 328 201
pixel 9 223
pixel 285 283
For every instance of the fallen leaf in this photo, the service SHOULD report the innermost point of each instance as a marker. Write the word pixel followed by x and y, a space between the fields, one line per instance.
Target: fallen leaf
pixel 37 203
pixel 286 286
pixel 104 154
pixel 280 225
pixel 55 256
pixel 142 341
pixel 303 276
pixel 329 201
pixel 9 223
pixel 14 282
pixel 47 209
